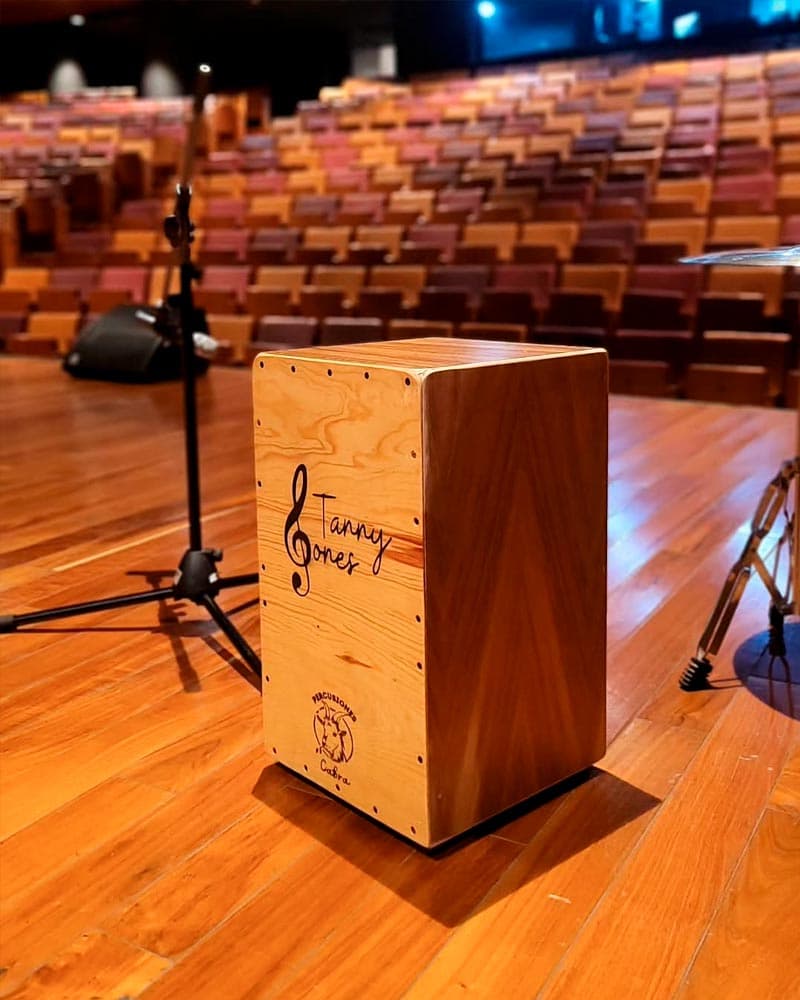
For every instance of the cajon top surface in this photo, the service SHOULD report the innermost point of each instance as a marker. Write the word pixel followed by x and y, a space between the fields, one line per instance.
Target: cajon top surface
pixel 433 353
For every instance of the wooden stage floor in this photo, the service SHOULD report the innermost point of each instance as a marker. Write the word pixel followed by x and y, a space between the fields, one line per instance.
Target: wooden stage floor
pixel 149 849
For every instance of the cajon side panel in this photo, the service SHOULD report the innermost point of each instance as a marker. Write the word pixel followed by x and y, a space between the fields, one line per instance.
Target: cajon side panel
pixel 515 484
pixel 339 486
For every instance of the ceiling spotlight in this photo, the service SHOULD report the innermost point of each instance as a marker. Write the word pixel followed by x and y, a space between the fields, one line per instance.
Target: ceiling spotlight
pixel 486 9
pixel 204 68
pixel 77 20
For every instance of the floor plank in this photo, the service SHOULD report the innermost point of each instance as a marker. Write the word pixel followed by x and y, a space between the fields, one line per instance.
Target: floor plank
pixel 95 966
pixel 659 907
pixel 150 851
pixel 747 951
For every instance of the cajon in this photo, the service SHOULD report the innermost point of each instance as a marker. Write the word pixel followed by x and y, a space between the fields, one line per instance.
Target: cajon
pixel 432 541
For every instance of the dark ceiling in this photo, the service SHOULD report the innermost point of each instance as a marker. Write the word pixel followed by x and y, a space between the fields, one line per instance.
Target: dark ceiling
pixel 352 13
pixel 35 11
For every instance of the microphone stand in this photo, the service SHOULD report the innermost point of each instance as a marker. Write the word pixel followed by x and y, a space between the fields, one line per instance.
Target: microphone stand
pixel 196 578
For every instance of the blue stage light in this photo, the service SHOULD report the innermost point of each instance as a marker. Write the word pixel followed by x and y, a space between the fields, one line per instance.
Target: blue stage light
pixel 486 9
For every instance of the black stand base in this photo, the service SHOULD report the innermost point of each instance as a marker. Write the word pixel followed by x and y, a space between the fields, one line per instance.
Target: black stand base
pixel 196 580
pixel 695 676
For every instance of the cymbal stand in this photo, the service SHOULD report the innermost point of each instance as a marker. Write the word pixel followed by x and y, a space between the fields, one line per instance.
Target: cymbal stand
pixel 774 500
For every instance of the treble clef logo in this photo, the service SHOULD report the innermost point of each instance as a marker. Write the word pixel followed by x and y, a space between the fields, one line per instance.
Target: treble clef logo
pixel 298 546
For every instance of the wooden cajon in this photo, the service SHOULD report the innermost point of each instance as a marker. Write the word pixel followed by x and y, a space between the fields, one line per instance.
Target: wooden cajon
pixel 432 541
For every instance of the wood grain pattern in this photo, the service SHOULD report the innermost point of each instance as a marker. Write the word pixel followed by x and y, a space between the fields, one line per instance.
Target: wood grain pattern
pixel 486 466
pixel 650 954
pixel 786 793
pixel 432 352
pixel 94 965
pixel 165 818
pixel 515 509
pixel 748 947
pixel 346 627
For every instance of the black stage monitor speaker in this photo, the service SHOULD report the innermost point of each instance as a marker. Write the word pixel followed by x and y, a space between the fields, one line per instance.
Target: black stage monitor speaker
pixel 124 345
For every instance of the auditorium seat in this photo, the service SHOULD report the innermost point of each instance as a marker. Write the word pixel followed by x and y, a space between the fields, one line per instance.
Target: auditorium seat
pixel 156 287
pixel 450 304
pixel 659 253
pixel 501 235
pixel 641 378
pixel 410 278
pixel 135 241
pixel 506 305
pixel 766 281
pixel 224 246
pixel 684 278
pixel 535 253
pixel 336 238
pixel 740 384
pixel 274 238
pixel 722 311
pixel 790 232
pixel 313 256
pixel 130 279
pixel 385 303
pixel 624 231
pixel 767 350
pixel 216 300
pixel 313 210
pixel 268 209
pixel 386 236
pixel 291 277
pixel 499 211
pixel 268 301
pixel 617 209
pixel 350 330
pixel 350 278
pixel 608 279
pixel 537 279
pixel 14 301
pixel 675 347
pixel 319 302
pixel 368 205
pixel 513 332
pixel 419 253
pixel 58 326
pixel 442 236
pixel 574 318
pixel 31 279
pixel 473 277
pixel 562 235
pixel 402 329
pixel 58 299
pixel 419 204
pixel 84 279
pixel 744 231
pixel 275 332
pixel 233 331
pixel 366 255
pixel 694 190
pixel 102 300
pixel 233 279
pixel 650 310
pixel 24 343
pixel 560 210
pixel 689 232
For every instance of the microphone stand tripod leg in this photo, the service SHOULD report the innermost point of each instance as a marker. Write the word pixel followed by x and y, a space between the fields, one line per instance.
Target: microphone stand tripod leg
pixel 235 637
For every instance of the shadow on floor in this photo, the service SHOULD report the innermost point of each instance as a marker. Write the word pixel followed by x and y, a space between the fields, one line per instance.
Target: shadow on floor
pixel 482 866
pixel 774 681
